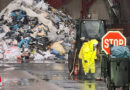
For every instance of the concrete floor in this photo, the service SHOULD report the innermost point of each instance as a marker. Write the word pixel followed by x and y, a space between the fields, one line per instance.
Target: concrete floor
pixel 22 80
pixel 47 76
pixel 50 73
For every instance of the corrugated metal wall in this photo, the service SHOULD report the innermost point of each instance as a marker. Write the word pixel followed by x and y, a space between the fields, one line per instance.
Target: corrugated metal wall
pixel 125 11
pixel 125 16
pixel 126 30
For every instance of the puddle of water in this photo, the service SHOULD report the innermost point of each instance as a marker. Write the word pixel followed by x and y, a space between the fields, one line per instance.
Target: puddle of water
pixel 89 85
pixel 46 78
pixel 19 82
pixel 26 82
pixel 80 78
pixel 54 77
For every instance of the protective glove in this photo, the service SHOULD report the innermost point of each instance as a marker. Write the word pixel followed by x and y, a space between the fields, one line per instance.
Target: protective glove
pixel 85 61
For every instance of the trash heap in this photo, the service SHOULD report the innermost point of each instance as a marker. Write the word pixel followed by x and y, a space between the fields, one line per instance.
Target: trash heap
pixel 35 29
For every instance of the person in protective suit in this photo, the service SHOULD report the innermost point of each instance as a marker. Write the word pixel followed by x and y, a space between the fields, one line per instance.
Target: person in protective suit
pixel 88 55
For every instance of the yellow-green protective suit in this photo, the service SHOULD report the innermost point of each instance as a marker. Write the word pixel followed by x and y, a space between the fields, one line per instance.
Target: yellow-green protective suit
pixel 88 55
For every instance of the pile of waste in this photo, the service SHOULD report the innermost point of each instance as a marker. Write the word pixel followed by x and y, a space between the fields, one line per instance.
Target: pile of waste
pixel 33 29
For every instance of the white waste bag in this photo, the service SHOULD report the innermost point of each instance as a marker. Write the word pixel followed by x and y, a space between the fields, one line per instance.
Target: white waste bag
pixel 38 56
pixel 5 47
pixel 28 2
pixel 1 56
pixel 42 5
pixel 2 35
pixel 12 53
pixel 48 55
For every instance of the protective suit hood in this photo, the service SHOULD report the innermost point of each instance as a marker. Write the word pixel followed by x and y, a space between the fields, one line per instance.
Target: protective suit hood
pixel 94 41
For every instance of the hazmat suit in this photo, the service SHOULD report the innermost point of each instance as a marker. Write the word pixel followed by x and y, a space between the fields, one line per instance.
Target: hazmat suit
pixel 88 55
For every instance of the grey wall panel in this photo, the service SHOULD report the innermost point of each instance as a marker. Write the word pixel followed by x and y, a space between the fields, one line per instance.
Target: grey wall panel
pixel 125 11
pixel 4 3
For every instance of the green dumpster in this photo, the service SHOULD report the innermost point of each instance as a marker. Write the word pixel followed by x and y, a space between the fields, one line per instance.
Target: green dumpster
pixel 119 71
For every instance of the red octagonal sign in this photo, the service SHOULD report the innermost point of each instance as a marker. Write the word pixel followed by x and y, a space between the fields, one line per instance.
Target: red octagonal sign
pixel 112 37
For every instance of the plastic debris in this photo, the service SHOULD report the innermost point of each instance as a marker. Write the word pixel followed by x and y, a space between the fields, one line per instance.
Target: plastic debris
pixel 120 52
pixel 12 53
pixel 33 28
pixel 58 47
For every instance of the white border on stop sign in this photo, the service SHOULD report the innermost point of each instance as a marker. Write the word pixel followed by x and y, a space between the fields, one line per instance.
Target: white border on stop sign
pixel 112 32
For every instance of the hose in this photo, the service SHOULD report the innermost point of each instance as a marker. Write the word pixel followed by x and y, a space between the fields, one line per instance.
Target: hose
pixel 74 61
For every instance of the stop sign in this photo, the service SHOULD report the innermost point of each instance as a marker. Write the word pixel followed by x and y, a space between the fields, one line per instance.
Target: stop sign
pixel 112 37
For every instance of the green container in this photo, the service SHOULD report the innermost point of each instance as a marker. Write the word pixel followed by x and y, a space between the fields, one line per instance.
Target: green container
pixel 104 65
pixel 119 71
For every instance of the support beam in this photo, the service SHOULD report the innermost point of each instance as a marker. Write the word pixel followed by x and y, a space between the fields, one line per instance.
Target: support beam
pixel 85 6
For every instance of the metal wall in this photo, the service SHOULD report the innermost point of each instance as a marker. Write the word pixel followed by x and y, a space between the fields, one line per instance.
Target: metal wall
pixel 98 9
pixel 125 16
pixel 125 11
pixel 74 8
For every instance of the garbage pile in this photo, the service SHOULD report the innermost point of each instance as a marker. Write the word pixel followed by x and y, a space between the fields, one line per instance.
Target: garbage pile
pixel 33 29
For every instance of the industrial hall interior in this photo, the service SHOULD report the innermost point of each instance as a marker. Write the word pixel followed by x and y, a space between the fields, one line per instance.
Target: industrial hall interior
pixel 65 44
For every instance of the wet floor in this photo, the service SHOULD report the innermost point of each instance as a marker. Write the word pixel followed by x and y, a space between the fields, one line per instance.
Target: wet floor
pixel 46 76
pixel 30 77
pixel 22 80
pixel 58 74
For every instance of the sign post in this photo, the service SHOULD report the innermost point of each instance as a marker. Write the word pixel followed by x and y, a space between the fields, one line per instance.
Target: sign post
pixel 115 38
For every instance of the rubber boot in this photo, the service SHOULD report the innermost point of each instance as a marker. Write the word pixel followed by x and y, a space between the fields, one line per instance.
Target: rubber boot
pixel 85 76
pixel 92 75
